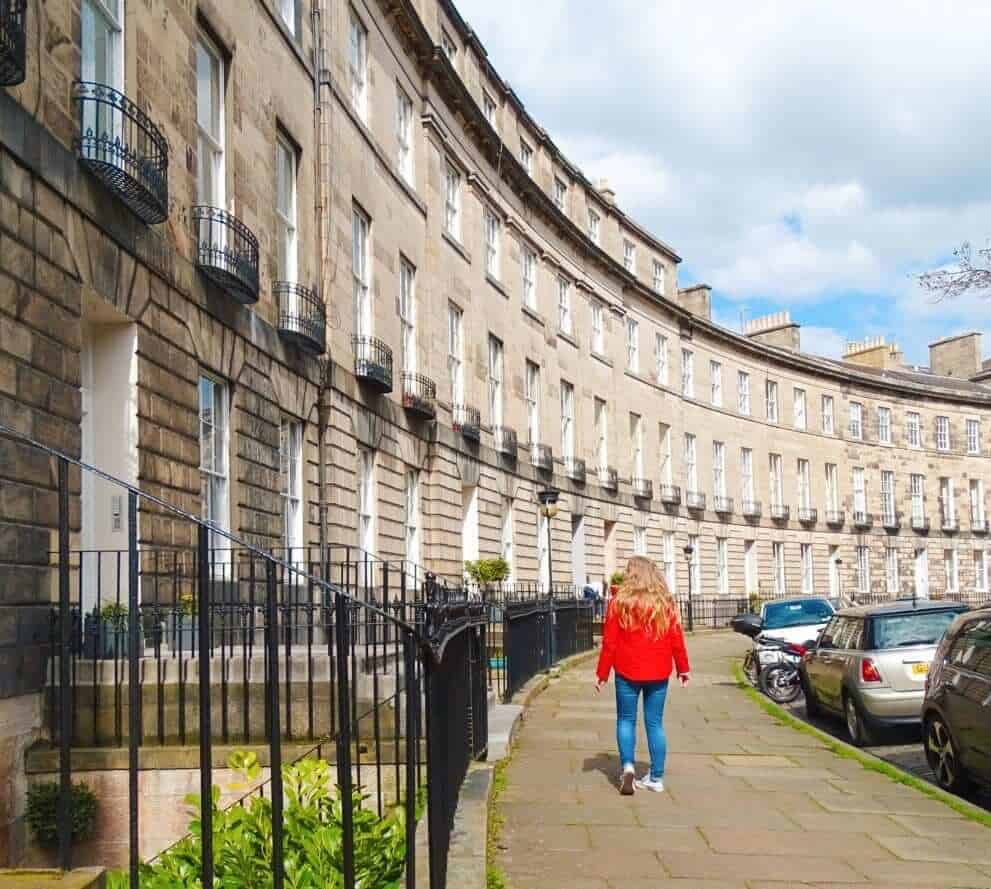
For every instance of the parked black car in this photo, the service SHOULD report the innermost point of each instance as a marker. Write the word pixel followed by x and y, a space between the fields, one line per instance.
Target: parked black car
pixel 956 711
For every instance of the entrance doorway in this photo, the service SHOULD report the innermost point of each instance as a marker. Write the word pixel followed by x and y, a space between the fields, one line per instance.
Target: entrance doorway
pixel 578 550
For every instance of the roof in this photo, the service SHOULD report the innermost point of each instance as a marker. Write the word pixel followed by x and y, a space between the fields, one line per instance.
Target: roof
pixel 902 606
pixel 901 376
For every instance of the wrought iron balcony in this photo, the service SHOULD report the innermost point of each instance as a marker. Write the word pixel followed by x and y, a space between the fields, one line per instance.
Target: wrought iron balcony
pixel 372 362
pixel 780 512
pixel 950 523
pixel 226 252
pixel 723 505
pixel 835 518
pixel 863 520
pixel 542 456
pixel 302 317
pixel 891 521
pixel 420 395
pixel 808 515
pixel 670 495
pixel 574 468
pixel 643 488
pixel 468 421
pixel 506 442
pixel 978 525
pixel 695 500
pixel 119 144
pixel 608 478
pixel 13 19
pixel 920 523
pixel 752 509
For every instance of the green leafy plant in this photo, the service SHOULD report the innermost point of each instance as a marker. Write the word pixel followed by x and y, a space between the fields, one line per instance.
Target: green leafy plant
pixel 617 578
pixel 487 571
pixel 187 603
pixel 114 614
pixel 754 602
pixel 42 812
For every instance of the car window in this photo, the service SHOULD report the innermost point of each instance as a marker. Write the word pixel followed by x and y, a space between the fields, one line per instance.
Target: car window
pixel 841 633
pixel 855 640
pixel 826 640
pixel 972 649
pixel 780 615
pixel 913 628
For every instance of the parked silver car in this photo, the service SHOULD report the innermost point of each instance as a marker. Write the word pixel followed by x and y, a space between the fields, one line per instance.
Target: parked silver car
pixel 871 662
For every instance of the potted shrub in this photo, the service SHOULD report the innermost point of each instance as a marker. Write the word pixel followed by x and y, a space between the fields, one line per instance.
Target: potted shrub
pixel 182 627
pixel 615 581
pixel 106 633
pixel 487 572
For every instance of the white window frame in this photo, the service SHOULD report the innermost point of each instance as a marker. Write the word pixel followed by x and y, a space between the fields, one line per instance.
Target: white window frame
pixel 532 398
pixel 667 549
pixel 804 484
pixel 800 408
pixel 629 256
pixel 695 562
pixel 973 436
pixel 691 463
pixel 863 569
pixel 917 490
pixel 722 566
pixel 528 269
pixel 598 334
pixel 718 469
pixel 560 194
pixel 366 502
pixel 943 434
pixel 687 373
pixel 776 479
pixel 407 315
pixel 358 66
pixel 287 12
pixel 828 415
pixel 636 439
pixel 405 160
pixel 449 47
pixel 490 109
pixel 632 345
pixel 808 568
pixel 859 492
pixel 361 236
pixel 887 495
pixel 976 494
pixel 455 353
pixel 108 15
pixel 948 499
pixel 778 565
pixel 884 425
pixel 716 383
pixel 526 157
pixel 507 538
pixel 602 432
pixel 771 397
pixel 496 366
pixel 493 242
pixel 855 425
pixel 667 458
pixel 639 540
pixel 452 200
pixel 892 570
pixel 215 456
pixel 951 569
pixel 594 226
pixel 747 476
pixel 661 358
pixel 291 485
pixel 285 209
pixel 913 429
pixel 208 141
pixel 980 570
pixel 567 420
pixel 833 487
pixel 564 317
pixel 743 392
pixel 658 276
pixel 412 517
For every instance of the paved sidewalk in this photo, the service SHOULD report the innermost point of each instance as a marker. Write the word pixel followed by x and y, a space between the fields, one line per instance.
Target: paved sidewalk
pixel 749 804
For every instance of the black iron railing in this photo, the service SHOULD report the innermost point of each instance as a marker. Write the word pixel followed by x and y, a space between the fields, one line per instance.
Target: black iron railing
pixel 891 521
pixel 226 252
pixel 542 456
pixel 695 500
pixel 372 362
pixel 574 468
pixel 420 395
pixel 722 505
pixel 808 515
pixel 751 509
pixel 608 478
pixel 950 523
pixel 978 524
pixel 13 21
pixel 302 317
pixel 671 494
pixel 780 512
pixel 506 441
pixel 643 488
pixel 121 146
pixel 863 520
pixel 835 517
pixel 711 612
pixel 920 523
pixel 468 421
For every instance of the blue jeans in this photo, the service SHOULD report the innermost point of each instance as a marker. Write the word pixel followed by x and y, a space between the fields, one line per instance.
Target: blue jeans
pixel 627 696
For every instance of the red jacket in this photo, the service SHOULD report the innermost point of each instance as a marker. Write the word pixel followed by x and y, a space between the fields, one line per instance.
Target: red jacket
pixel 635 654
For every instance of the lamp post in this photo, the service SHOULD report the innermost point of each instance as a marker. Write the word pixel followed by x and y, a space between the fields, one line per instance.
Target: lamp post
pixel 839 579
pixel 548 508
pixel 689 550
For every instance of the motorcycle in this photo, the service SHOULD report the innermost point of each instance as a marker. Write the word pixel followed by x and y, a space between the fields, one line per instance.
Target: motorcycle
pixel 781 681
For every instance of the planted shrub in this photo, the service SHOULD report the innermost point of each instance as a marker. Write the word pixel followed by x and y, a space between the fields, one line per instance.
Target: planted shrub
pixel 42 812
pixel 487 571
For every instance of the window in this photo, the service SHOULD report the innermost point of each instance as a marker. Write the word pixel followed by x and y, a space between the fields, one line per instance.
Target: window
pixel 771 396
pixel 718 469
pixel 526 157
pixel 210 175
pixel 567 420
pixel 449 47
pixel 687 374
pixel 951 570
pixel 743 392
pixel 639 541
pixel 722 566
pixel 980 570
pixel 798 409
pixel 750 580
pixel 490 110
pixel 593 226
pixel 884 425
pixel 598 336
pixel 942 433
pixel 917 488
pixel 716 380
pixel 493 233
pixel 407 315
pixel 661 358
pixel 778 557
pixel 404 134
pixel 413 516
pixel 214 479
pixel 667 549
pixel 285 210
pixel 658 279
pixel 564 305
pixel 891 571
pixel 452 202
pixel 507 538
pixel 859 493
pixel 291 485
pixel 777 480
pixel 455 353
pixel 808 574
pixel 532 396
pixel 856 427
pixel 977 502
pixel 691 467
pixel 804 485
pixel 863 569
pixel 629 256
pixel 832 487
pixel 364 318
pixel 366 500
pixel 528 263
pixel 695 563
pixel 913 430
pixel 667 470
pixel 973 436
pixel 948 501
pixel 828 416
pixel 102 60
pixel 636 437
pixel 495 381
pixel 888 496
pixel 747 476
pixel 601 433
pixel 358 67
pixel 560 194
pixel 287 9
pixel 632 345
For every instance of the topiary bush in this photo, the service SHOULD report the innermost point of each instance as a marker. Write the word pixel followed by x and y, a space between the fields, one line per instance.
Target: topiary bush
pixel 42 812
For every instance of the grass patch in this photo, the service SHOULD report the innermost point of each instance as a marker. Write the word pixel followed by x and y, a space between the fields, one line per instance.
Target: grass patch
pixel 867 761
pixel 494 877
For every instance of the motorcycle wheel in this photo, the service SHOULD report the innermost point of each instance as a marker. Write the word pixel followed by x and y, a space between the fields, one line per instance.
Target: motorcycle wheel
pixel 780 683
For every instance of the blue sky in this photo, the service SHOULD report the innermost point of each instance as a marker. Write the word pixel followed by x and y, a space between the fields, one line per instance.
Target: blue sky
pixel 802 156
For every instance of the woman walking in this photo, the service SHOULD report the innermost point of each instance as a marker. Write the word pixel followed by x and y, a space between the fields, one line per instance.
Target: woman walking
pixel 642 641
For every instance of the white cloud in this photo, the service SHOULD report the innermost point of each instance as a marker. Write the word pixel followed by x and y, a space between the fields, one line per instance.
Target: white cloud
pixel 825 341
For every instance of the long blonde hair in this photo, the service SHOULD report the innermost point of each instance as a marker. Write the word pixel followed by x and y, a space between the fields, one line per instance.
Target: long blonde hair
pixel 643 600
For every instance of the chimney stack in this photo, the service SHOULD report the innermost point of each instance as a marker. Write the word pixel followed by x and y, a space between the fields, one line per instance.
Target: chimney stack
pixel 608 195
pixel 957 356
pixel 776 329
pixel 874 351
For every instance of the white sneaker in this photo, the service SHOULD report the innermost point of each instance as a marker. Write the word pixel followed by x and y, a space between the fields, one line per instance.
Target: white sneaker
pixel 627 781
pixel 648 783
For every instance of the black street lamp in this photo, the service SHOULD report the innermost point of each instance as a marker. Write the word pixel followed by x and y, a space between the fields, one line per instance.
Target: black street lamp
pixel 689 550
pixel 548 508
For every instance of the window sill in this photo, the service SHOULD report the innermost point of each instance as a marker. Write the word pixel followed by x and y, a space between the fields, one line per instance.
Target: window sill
pixel 496 284
pixel 598 356
pixel 567 337
pixel 458 247
pixel 534 315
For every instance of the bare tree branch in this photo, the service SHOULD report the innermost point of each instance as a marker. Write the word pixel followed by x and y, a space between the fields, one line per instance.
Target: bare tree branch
pixel 971 275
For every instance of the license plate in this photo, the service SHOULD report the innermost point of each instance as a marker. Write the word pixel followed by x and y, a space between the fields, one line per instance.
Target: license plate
pixel 920 669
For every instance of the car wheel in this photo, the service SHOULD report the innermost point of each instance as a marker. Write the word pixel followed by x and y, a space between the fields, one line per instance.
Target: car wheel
pixel 942 756
pixel 857 728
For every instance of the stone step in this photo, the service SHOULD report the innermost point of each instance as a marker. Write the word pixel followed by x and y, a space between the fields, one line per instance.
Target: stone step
pixel 81 878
